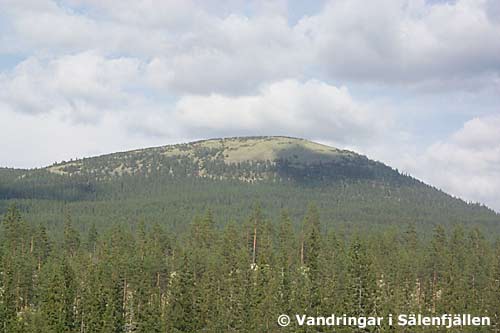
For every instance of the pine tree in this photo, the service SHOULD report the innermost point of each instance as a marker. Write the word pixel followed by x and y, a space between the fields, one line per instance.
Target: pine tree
pixel 57 297
pixel 286 258
pixel 312 259
pixel 362 281
pixel 16 270
pixel 93 304
pixel 149 311
pixel 456 295
pixel 41 247
pixel 183 311
pixel 8 300
pixel 235 276
pixel 476 275
pixel 71 236
pixel 263 293
pixel 494 290
pixel 438 258
pixel 11 230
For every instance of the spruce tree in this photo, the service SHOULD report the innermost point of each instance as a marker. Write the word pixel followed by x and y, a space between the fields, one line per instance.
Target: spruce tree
pixel 312 259
pixel 362 281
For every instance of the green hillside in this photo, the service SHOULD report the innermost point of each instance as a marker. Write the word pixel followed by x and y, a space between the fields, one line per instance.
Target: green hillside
pixel 248 159
pixel 230 176
pixel 225 235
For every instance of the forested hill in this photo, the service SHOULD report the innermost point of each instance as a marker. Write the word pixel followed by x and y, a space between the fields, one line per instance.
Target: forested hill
pixel 170 184
pixel 248 159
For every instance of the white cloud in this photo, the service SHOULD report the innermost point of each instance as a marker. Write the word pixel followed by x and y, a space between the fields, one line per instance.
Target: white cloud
pixel 232 56
pixel 96 105
pixel 37 141
pixel 312 109
pixel 160 71
pixel 467 163
pixel 196 52
pixel 81 87
pixel 449 46
pixel 481 133
pixel 493 10
pixel 406 41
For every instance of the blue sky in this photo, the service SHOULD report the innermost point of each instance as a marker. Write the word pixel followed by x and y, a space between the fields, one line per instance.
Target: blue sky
pixel 413 83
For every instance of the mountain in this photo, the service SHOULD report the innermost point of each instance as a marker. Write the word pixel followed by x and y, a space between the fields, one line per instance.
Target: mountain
pixel 248 159
pixel 230 175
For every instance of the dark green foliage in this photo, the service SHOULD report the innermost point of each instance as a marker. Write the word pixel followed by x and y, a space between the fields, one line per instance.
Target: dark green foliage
pixel 176 244
pixel 143 279
pixel 183 312
pixel 361 289
pixel 145 184
pixel 56 296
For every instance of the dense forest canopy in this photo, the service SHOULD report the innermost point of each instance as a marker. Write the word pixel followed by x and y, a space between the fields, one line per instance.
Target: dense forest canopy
pixel 224 235
pixel 229 176
pixel 239 278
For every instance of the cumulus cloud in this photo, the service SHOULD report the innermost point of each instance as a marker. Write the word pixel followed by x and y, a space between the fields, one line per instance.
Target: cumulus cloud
pixel 232 56
pixel 81 86
pixel 445 45
pixel 195 52
pixel 467 163
pixel 407 41
pixel 309 109
pixel 29 141
pixel 154 72
pixel 97 103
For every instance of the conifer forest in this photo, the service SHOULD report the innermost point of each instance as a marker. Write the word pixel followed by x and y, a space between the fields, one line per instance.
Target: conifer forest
pixel 193 244
pixel 249 166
